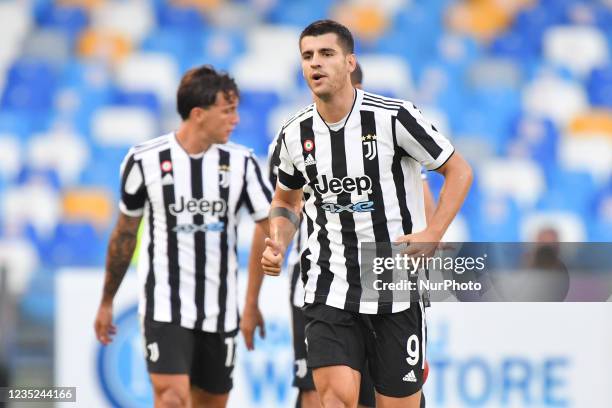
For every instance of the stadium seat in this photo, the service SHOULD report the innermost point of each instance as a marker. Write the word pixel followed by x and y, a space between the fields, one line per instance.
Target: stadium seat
pixel 75 244
pixel 88 205
pixel 19 257
pixel 596 122
pixel 270 75
pixel 65 153
pixel 534 138
pixel 10 156
pixel 481 19
pixel 593 154
pixel 555 99
pixel 103 45
pixel 132 19
pixel 16 22
pixel 123 126
pixel 582 187
pixel 497 220
pixel 185 17
pixel 153 72
pixel 70 19
pixel 569 226
pixel 51 45
pixel 521 180
pixel 142 99
pixel 104 171
pixel 18 211
pixel 599 86
pixel 298 13
pixel 367 21
pixel 275 42
pixel 579 48
pixel 387 74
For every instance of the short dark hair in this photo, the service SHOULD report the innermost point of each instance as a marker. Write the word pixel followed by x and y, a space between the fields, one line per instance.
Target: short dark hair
pixel 357 75
pixel 199 87
pixel 320 27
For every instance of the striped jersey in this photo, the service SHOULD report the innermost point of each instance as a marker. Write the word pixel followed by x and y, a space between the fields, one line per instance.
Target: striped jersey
pixel 187 268
pixel 362 183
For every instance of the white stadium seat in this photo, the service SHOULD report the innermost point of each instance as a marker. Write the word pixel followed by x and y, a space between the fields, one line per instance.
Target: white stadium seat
pixel 275 42
pixel 520 179
pixel 133 19
pixel 592 154
pixel 10 156
pixel 386 73
pixel 64 152
pixel 260 72
pixel 579 48
pixel 554 98
pixel 21 260
pixel 17 208
pixel 120 126
pixel 153 72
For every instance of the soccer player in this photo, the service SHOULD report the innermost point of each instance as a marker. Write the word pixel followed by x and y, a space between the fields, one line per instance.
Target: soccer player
pixel 356 158
pixel 188 186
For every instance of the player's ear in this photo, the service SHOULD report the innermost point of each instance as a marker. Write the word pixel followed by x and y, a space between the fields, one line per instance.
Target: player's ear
pixel 351 59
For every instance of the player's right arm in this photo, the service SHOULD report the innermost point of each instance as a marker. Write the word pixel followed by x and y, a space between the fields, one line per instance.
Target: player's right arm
pixel 284 222
pixel 119 255
pixel 285 210
pixel 122 242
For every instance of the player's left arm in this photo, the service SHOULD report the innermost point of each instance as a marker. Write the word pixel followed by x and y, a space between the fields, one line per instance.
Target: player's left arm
pixel 422 141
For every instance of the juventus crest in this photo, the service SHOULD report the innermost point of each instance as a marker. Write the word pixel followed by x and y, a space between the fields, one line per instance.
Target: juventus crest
pixel 369 143
pixel 224 175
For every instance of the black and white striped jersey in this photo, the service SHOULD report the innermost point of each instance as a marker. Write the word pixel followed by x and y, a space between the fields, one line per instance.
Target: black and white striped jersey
pixel 362 183
pixel 187 268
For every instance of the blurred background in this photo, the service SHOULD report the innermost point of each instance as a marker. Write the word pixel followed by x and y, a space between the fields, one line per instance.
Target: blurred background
pixel 522 87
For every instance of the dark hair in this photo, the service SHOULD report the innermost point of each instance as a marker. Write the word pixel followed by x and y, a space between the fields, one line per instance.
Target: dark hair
pixel 320 27
pixel 199 87
pixel 357 75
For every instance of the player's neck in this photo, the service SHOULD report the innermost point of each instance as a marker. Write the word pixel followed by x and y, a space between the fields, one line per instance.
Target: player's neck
pixel 337 105
pixel 191 139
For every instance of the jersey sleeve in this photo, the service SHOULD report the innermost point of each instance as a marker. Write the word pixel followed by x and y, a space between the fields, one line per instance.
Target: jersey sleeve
pixel 420 139
pixel 289 177
pixel 274 159
pixel 258 194
pixel 133 189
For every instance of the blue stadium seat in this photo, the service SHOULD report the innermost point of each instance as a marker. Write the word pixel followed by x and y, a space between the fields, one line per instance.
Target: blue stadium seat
pixel 70 19
pixel 38 302
pixel 188 18
pixel 298 13
pixel 48 176
pixel 535 138
pixel 15 122
pixel 30 86
pixel 74 244
pixel 178 42
pixel 514 44
pixel 497 222
pixel 599 86
pixel 143 99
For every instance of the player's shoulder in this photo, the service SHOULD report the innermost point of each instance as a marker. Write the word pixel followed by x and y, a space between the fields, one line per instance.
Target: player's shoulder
pixel 383 104
pixel 236 148
pixel 150 146
pixel 294 121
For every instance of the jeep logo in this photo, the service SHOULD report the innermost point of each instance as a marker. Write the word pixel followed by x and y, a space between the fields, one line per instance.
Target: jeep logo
pixel 199 206
pixel 362 184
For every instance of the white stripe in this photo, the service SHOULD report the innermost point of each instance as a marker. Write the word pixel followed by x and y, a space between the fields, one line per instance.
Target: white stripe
pixel 423 340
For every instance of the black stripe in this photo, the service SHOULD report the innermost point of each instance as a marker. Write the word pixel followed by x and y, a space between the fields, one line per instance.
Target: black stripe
pixel 420 135
pixel 379 219
pixel 263 186
pixel 375 105
pixel 383 99
pixel 349 236
pixel 174 277
pixel 326 277
pixel 304 260
pixel 150 282
pixel 382 102
pixel 275 160
pixel 244 198
pixel 133 201
pixel 224 160
pixel 295 274
pixel 199 243
pixel 398 176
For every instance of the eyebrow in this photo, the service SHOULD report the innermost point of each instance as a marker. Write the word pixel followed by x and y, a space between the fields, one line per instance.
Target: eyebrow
pixel 320 50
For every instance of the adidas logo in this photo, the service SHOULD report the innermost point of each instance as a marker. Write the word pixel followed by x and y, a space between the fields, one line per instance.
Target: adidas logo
pixel 310 161
pixel 410 377
pixel 167 179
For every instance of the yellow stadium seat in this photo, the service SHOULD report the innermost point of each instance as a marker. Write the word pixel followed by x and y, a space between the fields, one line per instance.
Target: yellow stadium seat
pixel 88 4
pixel 366 21
pixel 594 122
pixel 91 205
pixel 103 44
pixel 202 5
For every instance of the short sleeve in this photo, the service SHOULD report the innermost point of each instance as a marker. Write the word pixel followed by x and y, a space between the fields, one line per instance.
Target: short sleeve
pixel 274 159
pixel 258 191
pixel 289 177
pixel 133 189
pixel 420 139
